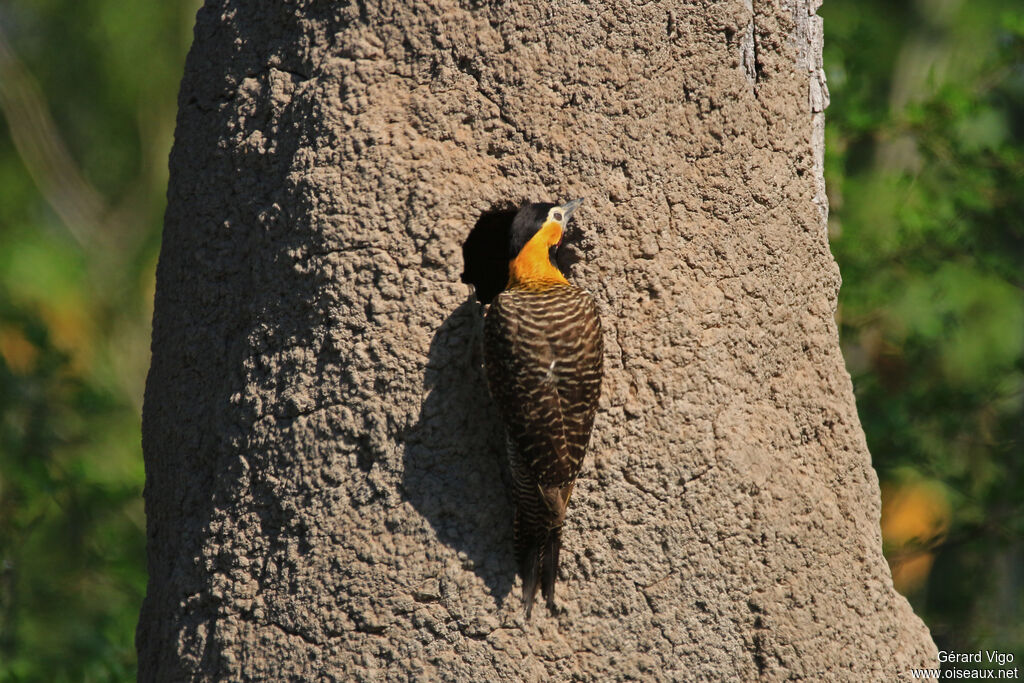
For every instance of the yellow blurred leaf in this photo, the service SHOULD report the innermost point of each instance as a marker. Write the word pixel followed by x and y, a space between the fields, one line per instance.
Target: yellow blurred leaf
pixel 915 516
pixel 18 352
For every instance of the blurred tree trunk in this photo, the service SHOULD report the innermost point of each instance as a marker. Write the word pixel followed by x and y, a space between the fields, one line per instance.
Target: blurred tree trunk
pixel 325 492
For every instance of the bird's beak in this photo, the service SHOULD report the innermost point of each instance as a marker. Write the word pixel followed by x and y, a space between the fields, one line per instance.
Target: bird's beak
pixel 567 210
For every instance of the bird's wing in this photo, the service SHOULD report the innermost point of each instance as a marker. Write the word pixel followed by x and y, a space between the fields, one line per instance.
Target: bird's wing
pixel 523 371
pixel 579 378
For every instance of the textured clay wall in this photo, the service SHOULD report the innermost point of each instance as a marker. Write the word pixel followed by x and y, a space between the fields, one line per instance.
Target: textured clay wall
pixel 325 477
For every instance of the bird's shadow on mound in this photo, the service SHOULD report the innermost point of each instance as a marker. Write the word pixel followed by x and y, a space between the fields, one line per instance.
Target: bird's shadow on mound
pixel 454 471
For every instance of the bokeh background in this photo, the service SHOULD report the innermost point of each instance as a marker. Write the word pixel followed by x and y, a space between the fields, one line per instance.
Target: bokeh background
pixel 925 170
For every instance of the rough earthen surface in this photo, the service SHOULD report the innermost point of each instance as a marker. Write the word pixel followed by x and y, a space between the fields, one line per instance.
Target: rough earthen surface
pixel 325 478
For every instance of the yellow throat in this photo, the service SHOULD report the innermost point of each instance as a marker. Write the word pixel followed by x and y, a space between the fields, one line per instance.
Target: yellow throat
pixel 532 266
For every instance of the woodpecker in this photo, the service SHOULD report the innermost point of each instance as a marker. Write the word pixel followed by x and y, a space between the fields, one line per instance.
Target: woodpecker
pixel 543 353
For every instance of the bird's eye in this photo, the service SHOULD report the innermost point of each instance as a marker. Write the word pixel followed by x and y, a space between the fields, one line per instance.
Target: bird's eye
pixel 557 215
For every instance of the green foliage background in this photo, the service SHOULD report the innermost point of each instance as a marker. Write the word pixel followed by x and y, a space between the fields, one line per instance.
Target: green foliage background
pixel 925 167
pixel 81 206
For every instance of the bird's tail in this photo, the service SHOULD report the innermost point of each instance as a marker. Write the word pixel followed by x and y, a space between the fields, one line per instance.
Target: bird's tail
pixel 537 551
pixel 549 566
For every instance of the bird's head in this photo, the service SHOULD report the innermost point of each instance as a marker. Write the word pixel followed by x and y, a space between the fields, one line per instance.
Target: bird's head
pixel 541 225
pixel 510 246
pixel 536 233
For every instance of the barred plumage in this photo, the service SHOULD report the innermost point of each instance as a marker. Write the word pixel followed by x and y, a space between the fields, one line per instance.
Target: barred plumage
pixel 544 353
